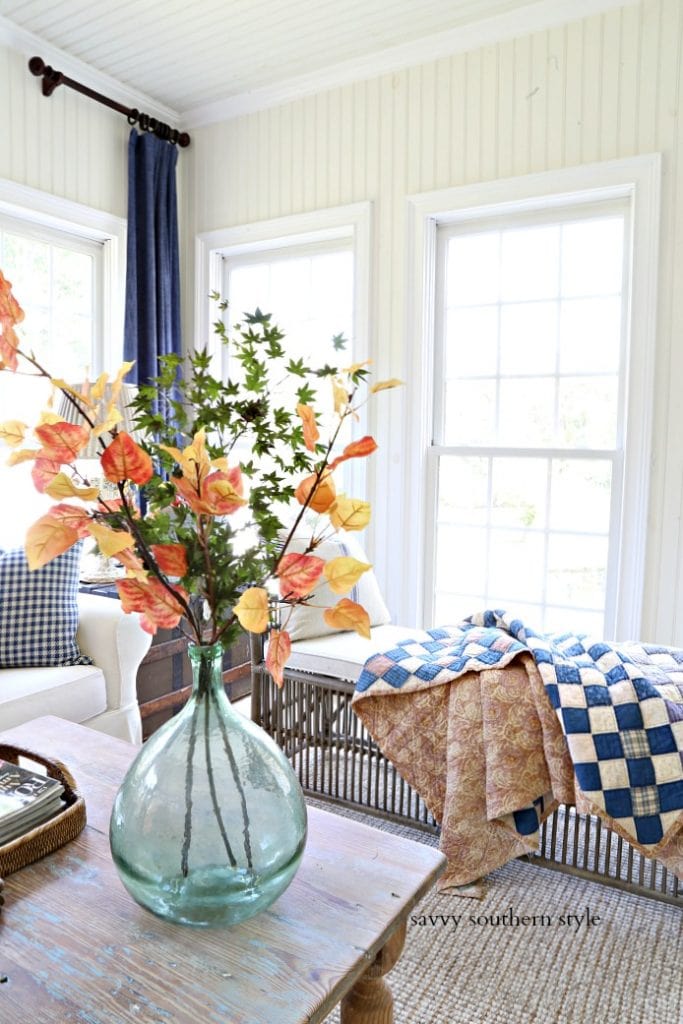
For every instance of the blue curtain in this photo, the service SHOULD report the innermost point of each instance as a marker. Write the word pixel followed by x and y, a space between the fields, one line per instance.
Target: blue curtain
pixel 152 319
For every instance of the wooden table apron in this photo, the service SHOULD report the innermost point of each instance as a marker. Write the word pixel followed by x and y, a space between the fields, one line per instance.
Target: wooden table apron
pixel 74 946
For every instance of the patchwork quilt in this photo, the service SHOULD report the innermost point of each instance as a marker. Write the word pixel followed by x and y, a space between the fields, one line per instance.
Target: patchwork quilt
pixel 495 725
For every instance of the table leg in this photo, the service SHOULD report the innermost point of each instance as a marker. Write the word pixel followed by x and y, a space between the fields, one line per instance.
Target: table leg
pixel 370 1000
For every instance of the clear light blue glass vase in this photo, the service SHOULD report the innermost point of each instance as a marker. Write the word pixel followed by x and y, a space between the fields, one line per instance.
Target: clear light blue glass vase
pixel 209 825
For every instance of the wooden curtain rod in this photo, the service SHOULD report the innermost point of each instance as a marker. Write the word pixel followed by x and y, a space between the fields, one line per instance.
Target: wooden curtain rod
pixel 52 78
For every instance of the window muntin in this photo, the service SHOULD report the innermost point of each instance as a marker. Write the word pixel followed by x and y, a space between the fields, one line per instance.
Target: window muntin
pixel 527 459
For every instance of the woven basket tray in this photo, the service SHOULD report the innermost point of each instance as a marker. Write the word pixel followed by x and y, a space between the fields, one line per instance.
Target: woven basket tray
pixel 52 834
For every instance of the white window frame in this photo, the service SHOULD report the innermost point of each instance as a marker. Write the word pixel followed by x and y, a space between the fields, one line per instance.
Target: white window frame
pixel 37 210
pixel 636 179
pixel 351 223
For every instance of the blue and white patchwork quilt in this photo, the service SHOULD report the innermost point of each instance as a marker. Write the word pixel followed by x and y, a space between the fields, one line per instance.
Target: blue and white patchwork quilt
pixel 620 707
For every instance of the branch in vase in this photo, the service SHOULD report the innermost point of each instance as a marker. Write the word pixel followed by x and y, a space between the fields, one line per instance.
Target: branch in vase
pixel 212 782
pixel 238 783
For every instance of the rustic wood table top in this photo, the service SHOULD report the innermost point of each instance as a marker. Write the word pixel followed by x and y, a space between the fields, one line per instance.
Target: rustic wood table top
pixel 75 947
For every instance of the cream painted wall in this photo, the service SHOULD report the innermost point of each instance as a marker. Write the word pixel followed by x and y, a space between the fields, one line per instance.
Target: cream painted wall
pixel 605 87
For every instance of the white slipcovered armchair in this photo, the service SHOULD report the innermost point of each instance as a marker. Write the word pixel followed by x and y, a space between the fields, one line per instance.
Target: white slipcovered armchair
pixel 102 695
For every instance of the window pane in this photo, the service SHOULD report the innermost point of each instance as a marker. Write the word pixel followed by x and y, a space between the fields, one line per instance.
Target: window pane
pixel 588 412
pixel 520 492
pixel 580 495
pixel 590 335
pixel 472 269
pixel 592 254
pixel 463 568
pixel 463 490
pixel 528 338
pixel 472 342
pixel 577 568
pixel 517 565
pixel 527 412
pixel 530 263
pixel 470 412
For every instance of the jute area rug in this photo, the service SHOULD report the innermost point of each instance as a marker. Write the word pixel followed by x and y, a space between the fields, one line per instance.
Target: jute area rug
pixel 518 957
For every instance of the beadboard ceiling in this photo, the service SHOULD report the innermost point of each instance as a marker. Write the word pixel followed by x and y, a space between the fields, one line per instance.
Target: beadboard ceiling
pixel 194 58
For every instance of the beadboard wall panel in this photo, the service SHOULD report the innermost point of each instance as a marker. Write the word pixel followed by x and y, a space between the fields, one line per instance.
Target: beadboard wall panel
pixel 67 145
pixel 605 87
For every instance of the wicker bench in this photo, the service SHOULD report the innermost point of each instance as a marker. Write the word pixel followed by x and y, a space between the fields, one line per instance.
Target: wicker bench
pixel 337 760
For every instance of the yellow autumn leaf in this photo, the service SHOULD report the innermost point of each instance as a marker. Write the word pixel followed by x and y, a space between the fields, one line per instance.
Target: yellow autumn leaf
pixel 13 432
pixel 347 615
pixel 21 455
pixel 340 396
pixel 343 573
pixel 123 370
pixel 110 542
pixel 355 367
pixel 48 417
pixel 385 385
pixel 99 387
pixel 47 538
pixel 349 513
pixel 252 610
pixel 112 417
pixel 63 487
pixel 62 385
pixel 194 461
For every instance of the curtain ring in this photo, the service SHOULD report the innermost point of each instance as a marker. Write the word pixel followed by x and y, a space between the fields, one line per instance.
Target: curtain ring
pixel 133 115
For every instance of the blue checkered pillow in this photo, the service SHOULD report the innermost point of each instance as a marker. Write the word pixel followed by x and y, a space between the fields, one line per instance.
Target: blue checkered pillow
pixel 38 611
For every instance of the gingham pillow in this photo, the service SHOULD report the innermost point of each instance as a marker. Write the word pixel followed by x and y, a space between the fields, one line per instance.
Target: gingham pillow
pixel 39 612
pixel 307 622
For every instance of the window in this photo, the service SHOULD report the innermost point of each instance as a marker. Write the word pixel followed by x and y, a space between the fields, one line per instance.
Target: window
pixel 528 415
pixel 537 310
pixel 57 278
pixel 310 272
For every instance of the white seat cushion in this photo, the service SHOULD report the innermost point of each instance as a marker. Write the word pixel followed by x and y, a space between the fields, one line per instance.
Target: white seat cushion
pixel 74 692
pixel 343 655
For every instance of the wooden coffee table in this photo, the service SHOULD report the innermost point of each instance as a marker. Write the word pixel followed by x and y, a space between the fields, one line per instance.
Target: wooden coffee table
pixel 75 947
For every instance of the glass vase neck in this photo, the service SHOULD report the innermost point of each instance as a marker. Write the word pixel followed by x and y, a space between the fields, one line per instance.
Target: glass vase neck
pixel 207 668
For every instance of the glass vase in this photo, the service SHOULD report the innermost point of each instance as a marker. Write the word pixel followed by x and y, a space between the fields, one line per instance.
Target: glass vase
pixel 209 825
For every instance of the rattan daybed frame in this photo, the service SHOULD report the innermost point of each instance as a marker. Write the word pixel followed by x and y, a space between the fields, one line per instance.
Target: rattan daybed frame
pixel 337 760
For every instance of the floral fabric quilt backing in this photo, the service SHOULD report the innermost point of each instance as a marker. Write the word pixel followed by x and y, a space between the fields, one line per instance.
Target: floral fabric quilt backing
pixel 495 726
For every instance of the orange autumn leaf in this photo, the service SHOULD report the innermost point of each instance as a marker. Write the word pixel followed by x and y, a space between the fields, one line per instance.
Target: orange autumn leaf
pixel 11 314
pixel 62 441
pixel 279 649
pixel 47 538
pixel 252 610
pixel 124 459
pixel 171 558
pixel 219 494
pixel 350 513
pixel 347 615
pixel 356 450
pixel 323 494
pixel 77 518
pixel 43 472
pixel 133 563
pixel 311 432
pixel 298 574
pixel 158 607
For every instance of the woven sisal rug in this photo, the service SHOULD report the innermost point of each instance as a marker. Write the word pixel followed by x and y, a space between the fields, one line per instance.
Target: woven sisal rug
pixel 540 948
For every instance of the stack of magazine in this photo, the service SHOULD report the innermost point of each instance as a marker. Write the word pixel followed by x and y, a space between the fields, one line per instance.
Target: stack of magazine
pixel 27 799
